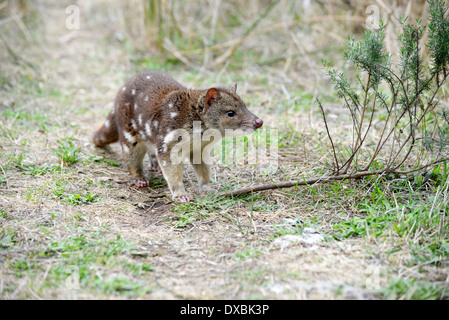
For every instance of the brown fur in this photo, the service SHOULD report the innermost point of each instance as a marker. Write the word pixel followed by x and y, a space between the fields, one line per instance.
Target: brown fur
pixel 150 106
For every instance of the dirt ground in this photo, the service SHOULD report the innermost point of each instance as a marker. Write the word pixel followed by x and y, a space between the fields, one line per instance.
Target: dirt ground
pixel 227 249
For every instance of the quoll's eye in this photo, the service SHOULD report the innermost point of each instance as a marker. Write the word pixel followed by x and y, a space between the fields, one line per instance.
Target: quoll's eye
pixel 231 113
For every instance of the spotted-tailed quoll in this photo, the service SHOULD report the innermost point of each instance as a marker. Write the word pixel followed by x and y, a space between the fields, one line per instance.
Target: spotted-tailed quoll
pixel 155 114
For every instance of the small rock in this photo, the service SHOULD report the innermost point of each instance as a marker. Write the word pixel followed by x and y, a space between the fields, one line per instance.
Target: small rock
pixel 310 230
pixel 309 238
pixel 290 221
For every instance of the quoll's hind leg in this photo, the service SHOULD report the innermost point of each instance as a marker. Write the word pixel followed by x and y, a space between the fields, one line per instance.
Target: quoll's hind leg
pixel 133 147
pixel 134 154
pixel 152 154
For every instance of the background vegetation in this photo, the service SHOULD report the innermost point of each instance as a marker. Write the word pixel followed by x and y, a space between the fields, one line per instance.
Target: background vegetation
pixel 71 226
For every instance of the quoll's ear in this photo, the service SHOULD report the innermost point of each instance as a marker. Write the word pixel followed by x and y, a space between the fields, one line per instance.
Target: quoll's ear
pixel 234 88
pixel 212 94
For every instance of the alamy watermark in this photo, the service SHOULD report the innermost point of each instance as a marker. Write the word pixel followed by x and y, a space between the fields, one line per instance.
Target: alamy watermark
pixel 72 22
pixel 252 148
pixel 372 21
pixel 72 282
pixel 372 281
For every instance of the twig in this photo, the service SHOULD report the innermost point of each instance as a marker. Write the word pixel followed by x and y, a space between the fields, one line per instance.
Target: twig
pixel 359 133
pixel 377 150
pixel 170 47
pixel 6 178
pixel 17 59
pixel 357 146
pixel 329 135
pixel 225 56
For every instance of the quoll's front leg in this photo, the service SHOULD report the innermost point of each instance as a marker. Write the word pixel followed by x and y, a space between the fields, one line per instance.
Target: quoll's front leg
pixel 202 171
pixel 173 175
pixel 199 158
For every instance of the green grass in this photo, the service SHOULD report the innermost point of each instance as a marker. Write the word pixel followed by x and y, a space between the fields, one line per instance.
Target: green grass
pixel 22 119
pixel 32 194
pixel 109 162
pixel 232 150
pixel 412 289
pixel 157 182
pixel 40 170
pixel 78 199
pixel 70 153
pixel 297 227
pixel 189 212
pixel 73 198
pixel 247 253
pixel 203 207
pixel 67 151
pixel 8 237
pixel 89 262
pixel 32 169
pixel 156 63
pixel 404 213
pixel 410 211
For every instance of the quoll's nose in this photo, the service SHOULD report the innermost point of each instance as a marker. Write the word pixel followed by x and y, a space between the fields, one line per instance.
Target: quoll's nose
pixel 258 123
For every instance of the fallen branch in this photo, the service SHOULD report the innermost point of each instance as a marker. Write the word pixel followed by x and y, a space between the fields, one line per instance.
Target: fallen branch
pixel 324 179
pixel 289 184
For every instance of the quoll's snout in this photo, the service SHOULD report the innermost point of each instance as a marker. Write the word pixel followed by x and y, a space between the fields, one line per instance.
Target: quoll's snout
pixel 258 123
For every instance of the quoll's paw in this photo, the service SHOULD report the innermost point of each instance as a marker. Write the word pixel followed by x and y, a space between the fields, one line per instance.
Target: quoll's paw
pixel 141 182
pixel 183 198
pixel 156 169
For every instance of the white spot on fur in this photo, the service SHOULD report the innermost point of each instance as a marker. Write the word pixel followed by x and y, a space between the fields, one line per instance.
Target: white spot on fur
pixel 140 119
pixel 155 123
pixel 164 163
pixel 135 106
pixel 124 88
pixel 128 136
pixel 146 98
pixel 142 134
pixel 164 147
pixel 173 114
pixel 127 104
pixel 148 77
pixel 170 136
pixel 148 129
pixel 113 109
pixel 170 105
pixel 133 124
pixel 133 92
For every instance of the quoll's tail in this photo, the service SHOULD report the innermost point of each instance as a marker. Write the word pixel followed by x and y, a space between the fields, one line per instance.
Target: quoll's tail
pixel 107 133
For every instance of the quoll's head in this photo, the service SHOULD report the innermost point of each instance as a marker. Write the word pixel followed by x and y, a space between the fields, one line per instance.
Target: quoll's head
pixel 225 110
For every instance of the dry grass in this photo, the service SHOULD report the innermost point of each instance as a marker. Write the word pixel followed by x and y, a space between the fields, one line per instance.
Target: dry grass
pixel 134 243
